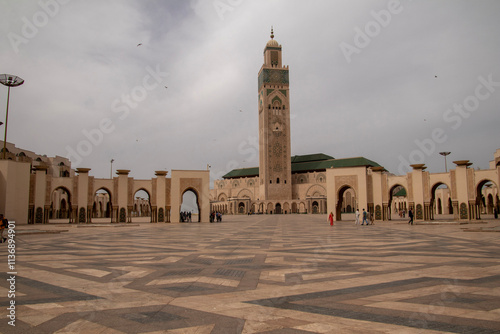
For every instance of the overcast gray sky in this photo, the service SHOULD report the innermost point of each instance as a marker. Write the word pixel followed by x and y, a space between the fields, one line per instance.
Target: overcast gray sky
pixel 393 81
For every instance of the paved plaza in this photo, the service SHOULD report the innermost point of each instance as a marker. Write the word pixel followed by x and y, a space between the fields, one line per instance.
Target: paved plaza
pixel 255 274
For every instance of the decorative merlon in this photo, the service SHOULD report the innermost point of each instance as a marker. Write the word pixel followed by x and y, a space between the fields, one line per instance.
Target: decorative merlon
pixel 418 166
pixel 378 169
pixel 464 163
pixel 82 170
pixel 122 171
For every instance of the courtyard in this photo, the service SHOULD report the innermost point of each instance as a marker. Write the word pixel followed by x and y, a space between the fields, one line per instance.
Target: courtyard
pixel 255 274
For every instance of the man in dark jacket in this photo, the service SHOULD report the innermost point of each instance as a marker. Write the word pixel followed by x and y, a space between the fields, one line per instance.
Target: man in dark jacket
pixel 410 214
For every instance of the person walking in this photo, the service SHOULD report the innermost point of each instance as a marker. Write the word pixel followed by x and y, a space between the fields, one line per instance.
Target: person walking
pixel 410 214
pixel 330 218
pixel 364 218
pixel 357 217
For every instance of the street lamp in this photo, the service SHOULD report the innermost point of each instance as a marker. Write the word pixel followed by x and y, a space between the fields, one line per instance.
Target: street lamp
pixel 9 81
pixel 444 154
pixel 111 172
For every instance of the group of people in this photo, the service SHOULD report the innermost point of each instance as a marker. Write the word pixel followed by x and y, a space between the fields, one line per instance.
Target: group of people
pixel 185 217
pixel 215 217
pixel 367 218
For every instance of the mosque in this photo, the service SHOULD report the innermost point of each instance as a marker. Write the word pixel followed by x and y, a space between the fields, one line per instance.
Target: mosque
pixel 319 183
pixel 35 189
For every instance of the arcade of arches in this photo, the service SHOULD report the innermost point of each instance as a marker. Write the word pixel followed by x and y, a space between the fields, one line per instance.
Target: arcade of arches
pixel 82 198
pixel 461 194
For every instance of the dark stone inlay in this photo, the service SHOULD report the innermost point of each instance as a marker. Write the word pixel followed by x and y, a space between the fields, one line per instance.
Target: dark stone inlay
pixel 186 272
pixel 151 317
pixel 186 288
pixel 202 261
pixel 229 272
pixel 45 293
pixel 458 300
pixel 239 261
pixel 327 303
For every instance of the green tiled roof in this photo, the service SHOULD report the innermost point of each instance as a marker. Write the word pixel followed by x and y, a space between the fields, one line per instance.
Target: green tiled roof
pixel 308 163
pixel 242 172
pixel 401 193
pixel 332 163
pixel 311 157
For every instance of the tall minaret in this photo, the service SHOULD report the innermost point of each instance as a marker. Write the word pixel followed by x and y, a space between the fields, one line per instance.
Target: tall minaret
pixel 274 126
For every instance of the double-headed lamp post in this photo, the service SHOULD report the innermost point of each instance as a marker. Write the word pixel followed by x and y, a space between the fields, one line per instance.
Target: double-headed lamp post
pixel 444 154
pixel 9 81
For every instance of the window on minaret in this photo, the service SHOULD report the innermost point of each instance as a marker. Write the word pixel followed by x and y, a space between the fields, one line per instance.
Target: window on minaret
pixel 274 58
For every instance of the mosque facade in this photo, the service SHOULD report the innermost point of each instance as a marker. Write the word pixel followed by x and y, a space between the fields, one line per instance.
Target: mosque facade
pixel 318 183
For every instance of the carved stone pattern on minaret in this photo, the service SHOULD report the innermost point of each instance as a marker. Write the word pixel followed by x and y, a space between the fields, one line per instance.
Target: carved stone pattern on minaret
pixel 277 150
pixel 272 76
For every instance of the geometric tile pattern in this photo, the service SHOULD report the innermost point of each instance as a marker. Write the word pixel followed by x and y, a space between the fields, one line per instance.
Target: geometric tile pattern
pixel 255 274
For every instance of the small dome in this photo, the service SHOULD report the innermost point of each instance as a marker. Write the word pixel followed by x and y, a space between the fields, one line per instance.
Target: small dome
pixel 272 42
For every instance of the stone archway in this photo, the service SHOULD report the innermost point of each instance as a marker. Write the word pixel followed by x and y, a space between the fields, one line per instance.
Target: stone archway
pixel 102 207
pixel 196 181
pixel 484 199
pixel 190 207
pixel 60 206
pixel 315 207
pixel 141 206
pixel 241 208
pixel 340 200
pixel 398 202
pixel 440 193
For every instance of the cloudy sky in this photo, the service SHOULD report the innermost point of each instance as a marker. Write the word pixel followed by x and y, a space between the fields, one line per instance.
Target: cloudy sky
pixel 395 82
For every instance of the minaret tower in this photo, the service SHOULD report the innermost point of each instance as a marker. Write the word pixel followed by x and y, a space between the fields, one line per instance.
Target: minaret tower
pixel 274 126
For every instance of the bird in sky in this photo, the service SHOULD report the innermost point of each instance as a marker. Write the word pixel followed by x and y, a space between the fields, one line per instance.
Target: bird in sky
pixel 139 44
pixel 435 76
pixel 166 87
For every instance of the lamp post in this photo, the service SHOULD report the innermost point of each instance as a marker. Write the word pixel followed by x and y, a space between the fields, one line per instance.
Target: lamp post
pixel 111 172
pixel 444 154
pixel 9 81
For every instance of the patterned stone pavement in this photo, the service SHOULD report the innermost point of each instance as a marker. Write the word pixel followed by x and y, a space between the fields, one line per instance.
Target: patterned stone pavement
pixel 254 274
